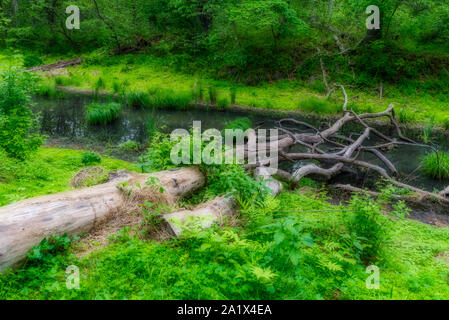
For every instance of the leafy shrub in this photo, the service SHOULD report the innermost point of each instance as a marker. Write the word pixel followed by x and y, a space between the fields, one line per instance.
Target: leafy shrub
pixel 19 135
pixel 90 157
pixel 157 157
pixel 129 146
pixel 436 166
pixel 102 113
pixel 232 179
pixel 48 249
pixel 31 61
pixel 366 224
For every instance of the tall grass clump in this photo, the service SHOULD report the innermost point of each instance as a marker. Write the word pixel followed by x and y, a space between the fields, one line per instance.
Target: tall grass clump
pixel 169 99
pixel 233 93
pixel 198 92
pixel 48 91
pixel 406 117
pixel 213 95
pixel 436 166
pixel 102 113
pixel 223 103
pixel 99 84
pixel 317 105
pixel 138 99
pixel 427 130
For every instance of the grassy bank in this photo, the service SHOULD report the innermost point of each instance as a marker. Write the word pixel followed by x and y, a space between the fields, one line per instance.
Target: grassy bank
pixel 49 171
pixel 277 255
pixel 146 75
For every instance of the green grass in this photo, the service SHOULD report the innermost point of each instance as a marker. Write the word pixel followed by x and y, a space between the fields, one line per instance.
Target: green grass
pixel 319 106
pixel 49 171
pixel 160 99
pixel 303 255
pixel 436 167
pixel 150 72
pixel 102 113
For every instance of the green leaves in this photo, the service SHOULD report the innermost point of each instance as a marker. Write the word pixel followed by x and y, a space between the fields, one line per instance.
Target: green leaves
pixel 19 135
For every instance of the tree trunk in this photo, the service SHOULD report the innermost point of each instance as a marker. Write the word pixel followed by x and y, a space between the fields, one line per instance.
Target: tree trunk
pixel 202 217
pixel 24 224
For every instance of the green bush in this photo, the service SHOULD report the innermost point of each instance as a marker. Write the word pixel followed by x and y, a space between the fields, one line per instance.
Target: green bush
pixel 48 250
pixel 19 135
pixel 436 167
pixel 365 225
pixel 32 61
pixel 90 157
pixel 102 113
pixel 129 146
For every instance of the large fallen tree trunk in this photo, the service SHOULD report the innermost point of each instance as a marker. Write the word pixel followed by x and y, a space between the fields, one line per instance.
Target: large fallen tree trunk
pixel 24 224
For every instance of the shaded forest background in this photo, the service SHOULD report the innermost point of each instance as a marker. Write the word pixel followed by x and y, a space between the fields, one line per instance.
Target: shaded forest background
pixel 249 40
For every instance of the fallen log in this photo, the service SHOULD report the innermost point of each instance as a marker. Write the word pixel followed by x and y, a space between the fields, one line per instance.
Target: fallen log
pixel 24 224
pixel 202 217
pixel 58 65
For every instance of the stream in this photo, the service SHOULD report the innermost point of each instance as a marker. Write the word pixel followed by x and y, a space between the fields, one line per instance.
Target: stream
pixel 63 121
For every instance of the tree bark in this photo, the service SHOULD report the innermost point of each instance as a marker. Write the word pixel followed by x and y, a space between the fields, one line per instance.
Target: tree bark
pixel 24 224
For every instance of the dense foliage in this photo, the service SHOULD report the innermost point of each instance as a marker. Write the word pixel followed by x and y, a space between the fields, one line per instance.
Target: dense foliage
pixel 247 40
pixel 18 129
pixel 278 254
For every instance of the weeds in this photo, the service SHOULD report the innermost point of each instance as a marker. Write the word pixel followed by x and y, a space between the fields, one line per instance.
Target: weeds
pixel 90 157
pixel 436 166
